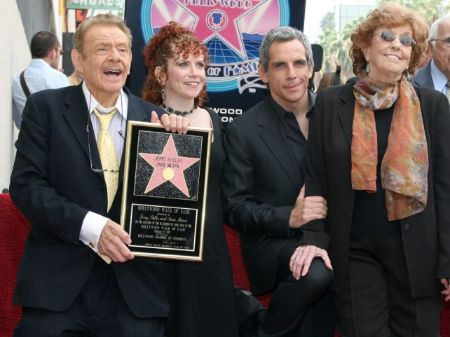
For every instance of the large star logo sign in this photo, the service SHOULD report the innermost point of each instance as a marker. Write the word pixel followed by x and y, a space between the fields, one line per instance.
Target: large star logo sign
pixel 168 166
pixel 220 18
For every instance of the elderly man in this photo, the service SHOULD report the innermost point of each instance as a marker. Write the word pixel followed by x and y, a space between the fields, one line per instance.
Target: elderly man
pixel 42 72
pixel 262 187
pixel 436 73
pixel 70 190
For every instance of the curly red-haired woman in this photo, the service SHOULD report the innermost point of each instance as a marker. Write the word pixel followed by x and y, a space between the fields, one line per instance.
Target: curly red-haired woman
pixel 202 298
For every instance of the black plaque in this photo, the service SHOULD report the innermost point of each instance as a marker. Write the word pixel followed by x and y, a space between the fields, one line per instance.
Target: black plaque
pixel 164 195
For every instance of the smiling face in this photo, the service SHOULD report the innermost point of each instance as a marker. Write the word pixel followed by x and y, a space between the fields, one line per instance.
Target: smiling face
pixel 288 74
pixel 104 62
pixel 388 60
pixel 183 80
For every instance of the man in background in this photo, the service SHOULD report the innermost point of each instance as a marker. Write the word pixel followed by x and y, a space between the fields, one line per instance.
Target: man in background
pixel 436 73
pixel 42 72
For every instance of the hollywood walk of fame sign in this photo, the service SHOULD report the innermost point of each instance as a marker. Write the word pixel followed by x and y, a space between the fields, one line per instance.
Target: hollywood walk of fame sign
pixel 232 30
pixel 164 195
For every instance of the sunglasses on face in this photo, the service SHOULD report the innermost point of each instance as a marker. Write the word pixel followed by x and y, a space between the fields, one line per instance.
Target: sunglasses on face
pixel 405 39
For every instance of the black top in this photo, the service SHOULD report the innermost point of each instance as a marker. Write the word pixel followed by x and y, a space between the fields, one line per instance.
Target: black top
pixel 201 293
pixel 369 213
pixel 295 138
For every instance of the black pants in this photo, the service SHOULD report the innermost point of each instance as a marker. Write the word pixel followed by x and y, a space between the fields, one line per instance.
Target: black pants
pixel 300 307
pixel 99 311
pixel 378 302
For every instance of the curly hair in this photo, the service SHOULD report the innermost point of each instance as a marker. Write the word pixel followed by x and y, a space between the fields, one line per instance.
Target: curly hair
pixel 390 15
pixel 172 41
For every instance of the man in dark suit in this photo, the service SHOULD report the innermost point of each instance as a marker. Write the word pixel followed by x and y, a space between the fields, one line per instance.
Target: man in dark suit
pixel 262 187
pixel 436 73
pixel 59 181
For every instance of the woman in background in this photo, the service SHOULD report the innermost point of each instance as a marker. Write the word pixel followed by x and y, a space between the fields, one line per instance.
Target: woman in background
pixel 379 154
pixel 202 298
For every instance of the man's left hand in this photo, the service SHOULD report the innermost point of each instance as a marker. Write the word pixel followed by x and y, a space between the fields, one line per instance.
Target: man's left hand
pixel 446 292
pixel 171 122
pixel 302 258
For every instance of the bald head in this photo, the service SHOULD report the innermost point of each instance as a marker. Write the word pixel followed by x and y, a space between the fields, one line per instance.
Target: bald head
pixel 438 27
pixel 439 44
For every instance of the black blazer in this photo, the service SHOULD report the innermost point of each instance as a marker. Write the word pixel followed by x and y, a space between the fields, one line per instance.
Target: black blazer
pixel 53 185
pixel 426 236
pixel 423 77
pixel 261 182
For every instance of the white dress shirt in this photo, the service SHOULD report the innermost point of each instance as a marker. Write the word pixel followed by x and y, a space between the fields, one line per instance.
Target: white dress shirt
pixel 93 223
pixel 39 75
pixel 439 79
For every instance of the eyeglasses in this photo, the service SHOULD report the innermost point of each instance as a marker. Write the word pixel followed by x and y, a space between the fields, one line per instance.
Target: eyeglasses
pixel 446 41
pixel 96 170
pixel 93 169
pixel 405 39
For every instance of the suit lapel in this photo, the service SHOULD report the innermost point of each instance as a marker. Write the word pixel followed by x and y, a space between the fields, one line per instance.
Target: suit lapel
pixel 136 110
pixel 77 116
pixel 273 136
pixel 423 77
pixel 428 81
pixel 346 111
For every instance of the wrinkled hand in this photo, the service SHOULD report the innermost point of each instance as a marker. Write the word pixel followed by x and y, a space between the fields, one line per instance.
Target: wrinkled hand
pixel 307 209
pixel 171 122
pixel 114 242
pixel 302 258
pixel 446 292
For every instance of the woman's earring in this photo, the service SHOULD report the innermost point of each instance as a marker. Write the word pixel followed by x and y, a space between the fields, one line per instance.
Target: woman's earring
pixel 367 68
pixel 407 75
pixel 163 95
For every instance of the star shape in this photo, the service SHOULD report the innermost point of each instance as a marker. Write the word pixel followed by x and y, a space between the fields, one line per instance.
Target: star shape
pixel 226 17
pixel 168 166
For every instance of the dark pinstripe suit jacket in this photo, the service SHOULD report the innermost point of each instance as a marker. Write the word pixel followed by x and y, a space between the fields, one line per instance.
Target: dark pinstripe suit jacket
pixel 261 182
pixel 53 185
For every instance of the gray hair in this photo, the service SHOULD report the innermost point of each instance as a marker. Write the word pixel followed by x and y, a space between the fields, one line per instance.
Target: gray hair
pixel 435 27
pixel 283 34
pixel 99 19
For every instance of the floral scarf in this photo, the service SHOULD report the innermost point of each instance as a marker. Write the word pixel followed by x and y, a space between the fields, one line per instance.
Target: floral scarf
pixel 404 168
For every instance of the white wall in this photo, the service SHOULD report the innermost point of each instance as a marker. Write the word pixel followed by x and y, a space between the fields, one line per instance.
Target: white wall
pixel 14 57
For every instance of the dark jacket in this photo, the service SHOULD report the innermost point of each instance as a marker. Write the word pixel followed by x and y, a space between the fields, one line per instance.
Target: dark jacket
pixel 53 185
pixel 423 77
pixel 426 235
pixel 262 180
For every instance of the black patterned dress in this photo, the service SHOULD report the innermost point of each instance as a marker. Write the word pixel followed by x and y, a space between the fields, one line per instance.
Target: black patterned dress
pixel 201 294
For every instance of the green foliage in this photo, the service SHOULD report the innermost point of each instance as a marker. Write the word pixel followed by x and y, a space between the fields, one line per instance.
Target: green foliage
pixel 336 44
pixel 327 21
pixel 429 9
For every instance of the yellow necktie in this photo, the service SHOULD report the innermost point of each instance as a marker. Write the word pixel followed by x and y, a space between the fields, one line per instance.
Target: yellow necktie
pixel 108 155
